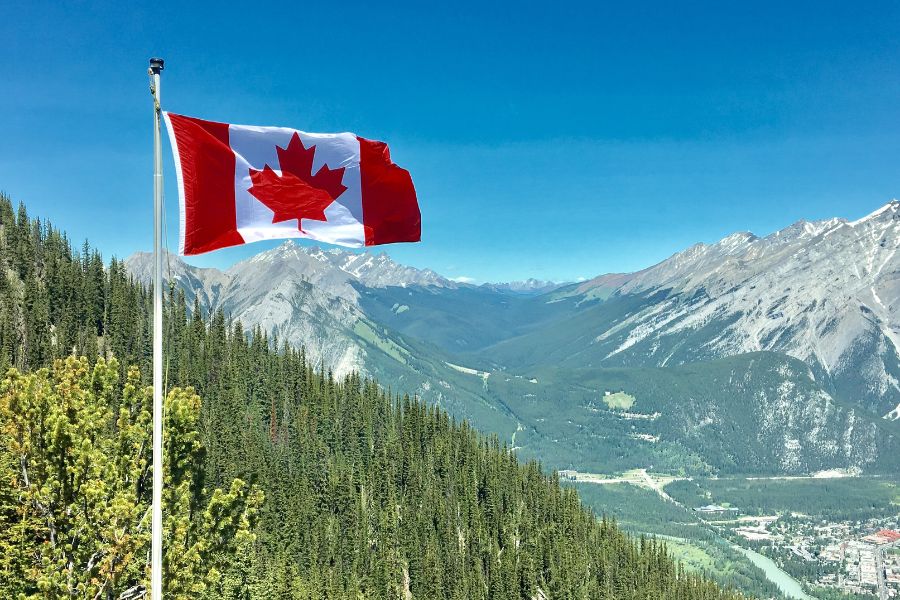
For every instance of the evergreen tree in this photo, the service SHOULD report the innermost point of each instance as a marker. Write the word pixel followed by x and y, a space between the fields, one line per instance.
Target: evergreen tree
pixel 78 473
pixel 368 495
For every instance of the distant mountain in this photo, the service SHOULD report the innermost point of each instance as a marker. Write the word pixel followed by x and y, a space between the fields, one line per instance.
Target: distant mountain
pixel 826 292
pixel 204 285
pixel 333 270
pixel 756 355
pixel 527 286
pixel 310 297
pixel 303 295
pixel 355 493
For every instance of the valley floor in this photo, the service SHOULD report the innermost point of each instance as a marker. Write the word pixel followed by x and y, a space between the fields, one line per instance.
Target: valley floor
pixel 792 537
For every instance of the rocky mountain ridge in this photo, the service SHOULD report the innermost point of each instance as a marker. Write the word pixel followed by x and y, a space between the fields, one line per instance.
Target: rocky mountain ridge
pixel 523 360
pixel 826 292
pixel 303 295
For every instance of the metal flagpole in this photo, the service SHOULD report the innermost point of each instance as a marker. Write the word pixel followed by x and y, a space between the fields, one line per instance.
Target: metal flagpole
pixel 156 66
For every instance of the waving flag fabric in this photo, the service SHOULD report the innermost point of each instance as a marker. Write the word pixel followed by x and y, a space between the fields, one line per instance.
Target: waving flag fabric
pixel 239 184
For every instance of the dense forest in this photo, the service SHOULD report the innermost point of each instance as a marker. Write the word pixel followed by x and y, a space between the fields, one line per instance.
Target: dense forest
pixel 857 498
pixel 281 483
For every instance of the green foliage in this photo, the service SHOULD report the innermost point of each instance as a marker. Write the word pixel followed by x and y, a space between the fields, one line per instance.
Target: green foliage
pixel 642 511
pixel 852 498
pixel 706 418
pixel 79 487
pixel 822 593
pixel 368 495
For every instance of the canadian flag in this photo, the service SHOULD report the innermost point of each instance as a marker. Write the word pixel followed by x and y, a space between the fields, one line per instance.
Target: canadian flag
pixel 239 184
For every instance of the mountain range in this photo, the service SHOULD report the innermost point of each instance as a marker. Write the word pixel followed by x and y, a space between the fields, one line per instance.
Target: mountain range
pixel 774 354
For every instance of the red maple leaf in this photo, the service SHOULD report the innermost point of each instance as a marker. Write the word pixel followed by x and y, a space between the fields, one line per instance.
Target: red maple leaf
pixel 297 193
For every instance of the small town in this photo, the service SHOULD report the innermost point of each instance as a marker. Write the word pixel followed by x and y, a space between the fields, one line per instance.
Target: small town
pixel 870 563
pixel 854 557
pixel 857 557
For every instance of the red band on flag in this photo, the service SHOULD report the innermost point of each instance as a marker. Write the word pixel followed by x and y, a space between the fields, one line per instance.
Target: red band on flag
pixel 206 168
pixel 389 204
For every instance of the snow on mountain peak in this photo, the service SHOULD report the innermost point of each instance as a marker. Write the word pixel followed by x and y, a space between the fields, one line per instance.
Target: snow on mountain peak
pixel 735 241
pixel 826 292
pixel 888 211
pixel 305 295
pixel 339 266
pixel 527 286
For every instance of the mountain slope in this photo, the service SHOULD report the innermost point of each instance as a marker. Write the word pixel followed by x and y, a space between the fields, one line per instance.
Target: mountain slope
pixel 311 298
pixel 759 413
pixel 525 364
pixel 367 494
pixel 825 292
pixel 304 296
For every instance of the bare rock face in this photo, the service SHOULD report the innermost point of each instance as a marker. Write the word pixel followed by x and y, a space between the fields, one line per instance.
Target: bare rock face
pixel 300 295
pixel 759 354
pixel 825 292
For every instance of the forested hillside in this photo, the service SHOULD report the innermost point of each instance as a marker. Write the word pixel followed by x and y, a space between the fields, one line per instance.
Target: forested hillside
pixel 367 494
pixel 534 368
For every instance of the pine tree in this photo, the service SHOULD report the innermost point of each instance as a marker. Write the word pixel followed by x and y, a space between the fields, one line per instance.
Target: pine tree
pixel 79 494
pixel 368 494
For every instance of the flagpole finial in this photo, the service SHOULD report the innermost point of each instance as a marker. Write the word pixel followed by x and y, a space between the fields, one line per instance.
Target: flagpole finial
pixel 157 64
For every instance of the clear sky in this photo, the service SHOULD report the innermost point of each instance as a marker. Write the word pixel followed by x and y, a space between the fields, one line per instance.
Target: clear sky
pixel 551 140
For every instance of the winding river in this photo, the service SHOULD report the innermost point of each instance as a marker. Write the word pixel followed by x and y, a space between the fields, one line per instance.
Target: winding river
pixel 787 584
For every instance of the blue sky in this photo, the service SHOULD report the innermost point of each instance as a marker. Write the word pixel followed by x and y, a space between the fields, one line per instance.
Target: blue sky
pixel 544 141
